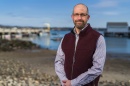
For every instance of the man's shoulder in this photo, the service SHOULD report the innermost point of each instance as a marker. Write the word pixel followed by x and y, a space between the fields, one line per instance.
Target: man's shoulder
pixel 69 34
pixel 94 32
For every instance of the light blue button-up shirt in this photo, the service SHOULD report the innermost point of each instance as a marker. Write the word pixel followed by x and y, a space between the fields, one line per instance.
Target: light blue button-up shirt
pixel 93 72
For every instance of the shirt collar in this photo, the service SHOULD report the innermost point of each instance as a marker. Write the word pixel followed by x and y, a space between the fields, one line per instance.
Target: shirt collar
pixel 81 30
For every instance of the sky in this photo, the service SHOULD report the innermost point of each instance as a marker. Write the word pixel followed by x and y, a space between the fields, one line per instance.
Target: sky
pixel 57 13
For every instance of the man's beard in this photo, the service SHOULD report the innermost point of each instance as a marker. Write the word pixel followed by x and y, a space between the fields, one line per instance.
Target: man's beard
pixel 79 26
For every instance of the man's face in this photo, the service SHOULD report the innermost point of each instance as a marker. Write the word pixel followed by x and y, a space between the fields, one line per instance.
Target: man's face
pixel 80 16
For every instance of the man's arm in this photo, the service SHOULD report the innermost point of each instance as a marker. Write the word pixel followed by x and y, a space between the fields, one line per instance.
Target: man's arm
pixel 98 64
pixel 59 64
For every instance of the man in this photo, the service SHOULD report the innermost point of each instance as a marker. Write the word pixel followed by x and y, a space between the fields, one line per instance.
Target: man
pixel 81 54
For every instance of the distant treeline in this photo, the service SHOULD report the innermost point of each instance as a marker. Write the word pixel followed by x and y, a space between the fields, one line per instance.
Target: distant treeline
pixel 8 26
pixel 52 28
pixel 61 28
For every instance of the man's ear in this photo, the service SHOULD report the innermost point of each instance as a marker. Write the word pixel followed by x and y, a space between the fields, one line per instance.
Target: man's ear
pixel 72 16
pixel 88 17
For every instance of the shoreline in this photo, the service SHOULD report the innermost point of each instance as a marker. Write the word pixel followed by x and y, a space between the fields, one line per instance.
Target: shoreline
pixel 116 67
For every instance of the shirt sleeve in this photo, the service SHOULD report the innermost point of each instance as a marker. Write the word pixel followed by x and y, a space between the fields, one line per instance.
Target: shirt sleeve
pixel 59 63
pixel 98 64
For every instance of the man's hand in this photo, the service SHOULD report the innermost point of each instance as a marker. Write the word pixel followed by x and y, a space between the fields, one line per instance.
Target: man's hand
pixel 66 83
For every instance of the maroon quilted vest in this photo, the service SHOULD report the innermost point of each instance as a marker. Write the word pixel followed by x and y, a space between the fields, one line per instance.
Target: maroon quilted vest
pixel 80 60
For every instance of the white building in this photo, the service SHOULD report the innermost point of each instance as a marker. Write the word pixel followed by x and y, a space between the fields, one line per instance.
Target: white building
pixel 117 27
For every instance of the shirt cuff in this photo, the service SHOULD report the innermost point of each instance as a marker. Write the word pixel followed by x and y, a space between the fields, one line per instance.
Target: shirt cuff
pixel 74 83
pixel 64 78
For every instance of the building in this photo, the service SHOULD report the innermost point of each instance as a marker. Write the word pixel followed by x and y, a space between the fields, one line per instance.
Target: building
pixel 117 29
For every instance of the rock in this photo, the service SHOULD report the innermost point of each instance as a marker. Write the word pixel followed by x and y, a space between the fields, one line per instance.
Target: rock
pixel 16 73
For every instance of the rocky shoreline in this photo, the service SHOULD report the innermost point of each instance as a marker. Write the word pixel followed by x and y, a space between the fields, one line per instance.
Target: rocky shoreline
pixel 114 83
pixel 25 64
pixel 17 73
pixel 10 45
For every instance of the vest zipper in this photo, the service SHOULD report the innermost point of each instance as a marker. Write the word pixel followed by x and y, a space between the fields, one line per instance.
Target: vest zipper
pixel 73 65
pixel 77 38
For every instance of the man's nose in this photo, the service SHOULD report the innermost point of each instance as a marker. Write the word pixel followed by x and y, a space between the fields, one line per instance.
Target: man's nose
pixel 79 16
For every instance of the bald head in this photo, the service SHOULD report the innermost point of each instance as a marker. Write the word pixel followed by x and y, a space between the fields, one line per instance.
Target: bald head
pixel 81 7
pixel 80 16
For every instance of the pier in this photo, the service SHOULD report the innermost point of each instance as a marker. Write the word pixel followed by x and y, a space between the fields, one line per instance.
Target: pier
pixel 16 32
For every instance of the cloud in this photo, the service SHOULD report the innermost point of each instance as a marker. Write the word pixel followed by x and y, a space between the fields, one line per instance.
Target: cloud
pixel 111 13
pixel 106 3
pixel 11 14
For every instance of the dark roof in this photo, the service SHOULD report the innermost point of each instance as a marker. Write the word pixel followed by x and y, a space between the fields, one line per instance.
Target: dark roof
pixel 117 24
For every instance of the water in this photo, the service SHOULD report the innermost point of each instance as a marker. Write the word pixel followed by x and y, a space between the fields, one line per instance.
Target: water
pixel 114 45
pixel 50 41
pixel 118 45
